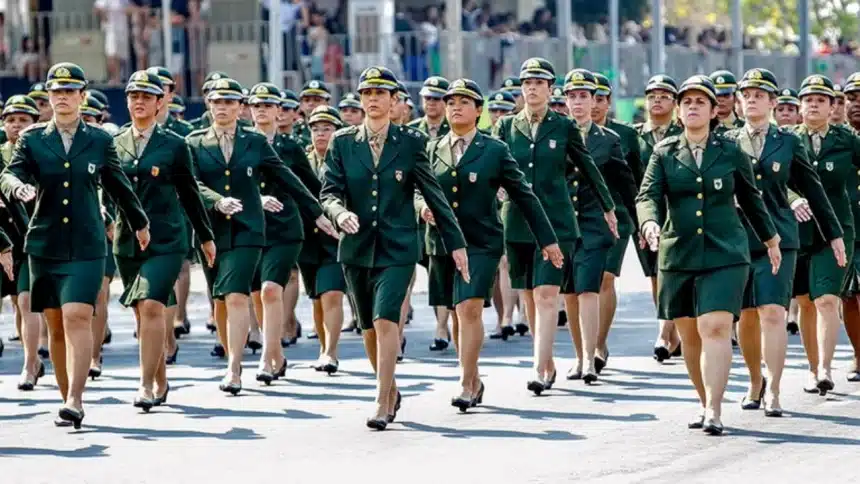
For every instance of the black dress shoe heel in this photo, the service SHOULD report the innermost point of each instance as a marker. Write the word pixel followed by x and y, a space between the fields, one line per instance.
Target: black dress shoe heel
pixel 677 353
pixel 44 353
pixel 522 328
pixel 217 351
pixel 402 354
pixel 508 331
pixel 661 354
pixel 748 404
pixel 108 337
pixel 772 412
pixel 497 335
pixel 551 380
pixel 393 416
pixel 144 404
pixel 171 359
pixel 285 343
pixel 479 398
pixel 95 372
pixel 599 364
pixel 562 318
pixel 824 386
pixel 792 328
pixel 537 387
pixel 253 345
pixel 589 378
pixel 313 335
pixel 331 368
pixel 282 372
pixel 697 422
pixel 13 339
pixel 231 388
pixel 75 417
pixel 439 344
pixel 711 427
pixel 41 371
pixel 461 403
pixel 210 326
pixel 853 376
pixel 26 386
pixel 265 377
pixel 377 423
pixel 58 422
pixel 159 401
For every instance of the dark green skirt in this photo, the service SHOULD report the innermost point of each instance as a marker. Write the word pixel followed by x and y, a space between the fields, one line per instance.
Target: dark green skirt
pixel 817 273
pixel 55 283
pixel 8 287
pixel 110 263
pixel 320 279
pixel 586 273
pixel 615 256
pixel 233 271
pixel 853 286
pixel 528 270
pixel 151 278
pixel 763 287
pixel 275 265
pixel 647 258
pixel 378 292
pixel 23 276
pixel 694 293
pixel 446 286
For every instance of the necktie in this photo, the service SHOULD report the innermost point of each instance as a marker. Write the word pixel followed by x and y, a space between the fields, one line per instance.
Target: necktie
pixel 757 142
pixel 139 144
pixel 697 154
pixel 376 148
pixel 659 134
pixel 458 148
pixel 816 142
pixel 534 122
pixel 434 130
pixel 67 137
pixel 226 142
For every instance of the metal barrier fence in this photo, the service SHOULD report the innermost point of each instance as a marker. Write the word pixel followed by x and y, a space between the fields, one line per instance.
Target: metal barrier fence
pixel 241 49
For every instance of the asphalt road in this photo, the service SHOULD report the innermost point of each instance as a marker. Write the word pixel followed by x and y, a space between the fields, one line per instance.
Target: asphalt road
pixel 628 428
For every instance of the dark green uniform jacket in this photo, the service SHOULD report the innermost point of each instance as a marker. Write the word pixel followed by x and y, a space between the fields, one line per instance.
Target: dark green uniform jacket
pixel 163 180
pixel 471 186
pixel 785 163
pixel 549 162
pixel 703 228
pixel 629 147
pixel 383 197
pixel 67 223
pixel 422 125
pixel 205 121
pixel 286 226
pixel 240 178
pixel 837 163
pixel 605 149
pixel 319 248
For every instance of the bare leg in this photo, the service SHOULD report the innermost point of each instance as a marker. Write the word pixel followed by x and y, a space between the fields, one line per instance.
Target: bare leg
pixel 77 323
pixel 57 344
pixel 608 304
pixel 332 306
pixel 750 340
pixel 99 323
pixel 808 335
pixel 851 315
pixel 692 342
pixel 151 337
pixel 774 346
pixel 828 333
pixel 715 329
pixel 29 336
pixel 571 306
pixel 545 301
pixel 182 288
pixel 271 306
pixel 387 341
pixel 589 322
pixel 470 339
pixel 237 333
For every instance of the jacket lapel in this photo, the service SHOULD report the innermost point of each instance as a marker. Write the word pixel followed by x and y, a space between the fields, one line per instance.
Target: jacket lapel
pixel 391 148
pixel 52 139
pixel 444 128
pixel 125 142
pixel 550 122
pixel 81 140
pixel 712 151
pixel 773 142
pixel 361 148
pixel 828 143
pixel 442 152
pixel 474 151
pixel 685 156
pixel 156 139
pixel 521 123
pixel 595 138
pixel 210 145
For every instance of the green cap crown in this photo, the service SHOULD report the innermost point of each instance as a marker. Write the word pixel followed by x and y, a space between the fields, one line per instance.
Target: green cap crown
pixel 66 75
pixel 21 105
pixel 265 93
pixel 92 107
pixel 661 82
pixel 163 74
pixel 325 114
pixel 38 91
pixel 580 80
pixel 435 87
pixel 816 84
pixel 465 87
pixel 377 77
pixel 145 81
pixel 501 101
pixel 537 68
pixel 225 88
pixel 699 83
pixel 350 100
pixel 724 82
pixel 759 79
pixel 315 88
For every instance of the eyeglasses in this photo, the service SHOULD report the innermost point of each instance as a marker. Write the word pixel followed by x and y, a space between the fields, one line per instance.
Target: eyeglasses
pixel 652 98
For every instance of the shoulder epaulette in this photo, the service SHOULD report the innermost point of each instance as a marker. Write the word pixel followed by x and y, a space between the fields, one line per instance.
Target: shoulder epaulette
pixel 197 132
pixel 669 140
pixel 33 126
pixel 412 132
pixel 349 130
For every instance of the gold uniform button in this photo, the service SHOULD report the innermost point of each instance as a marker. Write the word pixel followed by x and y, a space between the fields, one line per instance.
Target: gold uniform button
pixel 576 212
pixel 135 162
pixel 754 161
pixel 374 223
pixel 576 169
pixel 373 193
pixel 758 177
pixel 65 220
pixel 455 204
pixel 453 173
pixel 135 178
pixel 373 208
pixel 263 185
pixel 316 229
pixel 227 172
pixel 227 187
pixel 227 217
pixel 699 196
pixel 454 189
pixel 65 201
pixel 575 198
pixel 66 184
pixel 67 165
pixel 698 213
pixel 532 146
pixel 699 231
pixel 576 183
pixel 531 165
pixel 814 163
pixel 374 177
pixel 699 179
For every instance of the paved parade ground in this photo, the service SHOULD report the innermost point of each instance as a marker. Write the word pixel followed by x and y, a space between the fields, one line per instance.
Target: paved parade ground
pixel 630 427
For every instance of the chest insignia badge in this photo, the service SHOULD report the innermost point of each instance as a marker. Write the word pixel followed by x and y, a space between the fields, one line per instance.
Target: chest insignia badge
pixel 552 144
pixel 91 168
pixel 155 171
pixel 473 177
pixel 775 166
pixel 718 183
pixel 250 171
pixel 398 175
pixel 829 165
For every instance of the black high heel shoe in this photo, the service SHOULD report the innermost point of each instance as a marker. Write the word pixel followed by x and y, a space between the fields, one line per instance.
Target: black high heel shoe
pixel 402 349
pixel 217 351
pixel 2 347
pixel 71 415
pixel 376 423
pixel 824 386
pixel 44 353
pixel 677 353
pixel 697 422
pixel 281 373
pixel 254 346
pixel 574 374
pixel 285 343
pixel 479 398
pixel 522 328
pixel 265 377
pixel 536 386
pixel 210 326
pixel 159 401
pixel 171 359
pixel 41 371
pixel 96 371
pixel 711 427
pixel 108 336
pixel 461 403
pixel 507 332
pixel 551 380
pixel 497 335
pixel 396 407
pixel 232 388
pixel 792 328
pixel 331 367
pixel 661 354
pixel 589 378
pixel 439 344
pixel 26 385
pixel 144 404
pixel 184 328
pixel 748 404
pixel 13 339
pixel 562 318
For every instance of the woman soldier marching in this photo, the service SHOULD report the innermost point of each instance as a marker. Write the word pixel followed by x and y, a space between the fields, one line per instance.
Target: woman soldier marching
pixel 660 101
pixel 284 233
pixel 821 278
pixel 158 163
pixel 779 159
pixel 19 113
pixel 851 299
pixel 787 112
pixel 371 174
pixel 67 160
pixel 471 167
pixel 703 250
pixel 321 272
pixel 549 150
pixel 229 162
pixel 599 250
